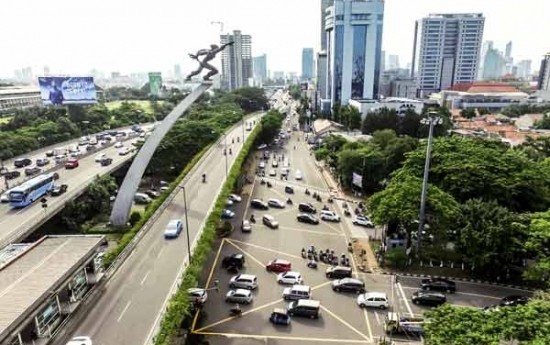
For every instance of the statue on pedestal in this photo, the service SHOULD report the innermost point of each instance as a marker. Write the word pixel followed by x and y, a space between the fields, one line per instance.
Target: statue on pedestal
pixel 209 54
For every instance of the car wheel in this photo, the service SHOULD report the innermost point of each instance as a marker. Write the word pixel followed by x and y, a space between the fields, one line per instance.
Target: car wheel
pixel 382 307
pixel 337 289
pixel 415 301
pixel 249 288
pixel 427 288
pixel 232 286
pixel 313 316
pixel 279 281
pixel 362 305
pixel 449 291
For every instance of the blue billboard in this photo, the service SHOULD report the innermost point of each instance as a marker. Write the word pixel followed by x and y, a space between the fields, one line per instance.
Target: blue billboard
pixel 67 90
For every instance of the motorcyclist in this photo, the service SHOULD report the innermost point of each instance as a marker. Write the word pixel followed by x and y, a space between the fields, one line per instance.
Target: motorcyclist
pixel 203 178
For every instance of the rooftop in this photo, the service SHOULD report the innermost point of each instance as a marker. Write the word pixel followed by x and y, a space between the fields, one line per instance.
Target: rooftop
pixel 484 87
pixel 28 279
pixel 14 90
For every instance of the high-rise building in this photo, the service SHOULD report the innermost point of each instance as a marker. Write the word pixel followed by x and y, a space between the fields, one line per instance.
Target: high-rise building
pixel 544 73
pixel 354 47
pixel 493 64
pixel 322 75
pixel 177 71
pixel 307 63
pixel 46 70
pixel 324 5
pixel 524 69
pixel 393 61
pixel 449 50
pixel 236 60
pixel 508 59
pixel 260 68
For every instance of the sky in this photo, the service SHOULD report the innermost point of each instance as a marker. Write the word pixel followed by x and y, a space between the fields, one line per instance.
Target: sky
pixel 73 37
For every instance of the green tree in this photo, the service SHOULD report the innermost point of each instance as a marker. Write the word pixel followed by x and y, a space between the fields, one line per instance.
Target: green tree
pixel 468 113
pixel 537 246
pixel 368 162
pixel 271 125
pixel 543 123
pixel 381 119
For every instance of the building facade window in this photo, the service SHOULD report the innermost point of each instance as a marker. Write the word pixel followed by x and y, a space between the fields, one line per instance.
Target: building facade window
pixel 358 68
pixel 338 61
pixel 48 318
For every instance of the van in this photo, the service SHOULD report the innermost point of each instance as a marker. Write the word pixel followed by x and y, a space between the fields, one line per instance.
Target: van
pixel 142 198
pixel 270 221
pixel 297 292
pixel 304 307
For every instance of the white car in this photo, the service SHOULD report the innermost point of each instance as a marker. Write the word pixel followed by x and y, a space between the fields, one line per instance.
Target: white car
pixel 76 153
pixel 329 216
pixel 228 202
pixel 118 145
pixel 276 203
pixel 373 300
pixel 173 228
pixel 197 295
pixel 274 163
pixel 290 277
pixel 272 172
pixel 298 175
pixel 4 198
pixel 100 157
pixel 124 151
pixel 235 198
pixel 245 226
pixel 362 221
pixel 80 341
pixel 239 296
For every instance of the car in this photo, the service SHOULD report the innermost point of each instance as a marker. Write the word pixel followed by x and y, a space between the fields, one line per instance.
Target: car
pixel 227 214
pixel 10 175
pixel 289 190
pixel 142 198
pixel 4 198
pixel 118 145
pixel 173 229
pixel 245 226
pixel 80 340
pixel 362 221
pixel 76 154
pixel 272 172
pixel 338 272
pixel 59 189
pixel 307 218
pixel 84 141
pixel 259 204
pixel 270 221
pixel 152 193
pixel 290 277
pixel 243 296
pixel 438 284
pixel 244 281
pixel 60 159
pixel 228 202
pixel 106 161
pixel 49 153
pixel 276 203
pixel 514 300
pixel 32 171
pixel 279 317
pixel 306 207
pixel 298 175
pixel 329 216
pixel 428 298
pixel 40 162
pixel 235 198
pixel 373 300
pixel 22 162
pixel 100 157
pixel 71 164
pixel 124 151
pixel 197 295
pixel 278 265
pixel 236 260
pixel 348 285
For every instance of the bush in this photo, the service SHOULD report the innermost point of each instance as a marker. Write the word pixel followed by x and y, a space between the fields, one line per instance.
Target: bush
pixel 396 257
pixel 134 218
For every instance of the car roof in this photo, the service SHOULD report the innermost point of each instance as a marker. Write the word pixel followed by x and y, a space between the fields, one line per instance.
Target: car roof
pixel 174 221
pixel 246 276
pixel 375 294
pixel 243 291
pixel 196 291
pixel 339 268
pixel 431 293
pixel 281 261
pixel 351 280
pixel 309 303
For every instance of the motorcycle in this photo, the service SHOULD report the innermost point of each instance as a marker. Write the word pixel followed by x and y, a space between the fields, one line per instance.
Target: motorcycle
pixel 325 208
pixel 312 264
pixel 289 201
pixel 347 213
pixel 269 185
pixel 230 152
pixel 252 219
pixel 262 182
pixel 203 178
pixel 308 192
pixel 304 254
pixel 330 200
pixel 235 311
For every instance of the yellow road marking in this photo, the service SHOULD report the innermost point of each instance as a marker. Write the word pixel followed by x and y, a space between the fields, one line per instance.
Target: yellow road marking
pixel 247 253
pixel 346 323
pixel 280 337
pixel 331 227
pixel 209 279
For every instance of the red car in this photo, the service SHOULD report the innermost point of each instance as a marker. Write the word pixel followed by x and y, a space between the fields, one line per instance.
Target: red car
pixel 71 164
pixel 278 265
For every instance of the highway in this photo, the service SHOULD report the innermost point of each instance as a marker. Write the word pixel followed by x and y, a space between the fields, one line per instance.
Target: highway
pixel 130 308
pixel 17 223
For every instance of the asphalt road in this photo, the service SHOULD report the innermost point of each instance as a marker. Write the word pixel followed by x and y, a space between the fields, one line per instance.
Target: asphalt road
pixel 129 310
pixel 17 223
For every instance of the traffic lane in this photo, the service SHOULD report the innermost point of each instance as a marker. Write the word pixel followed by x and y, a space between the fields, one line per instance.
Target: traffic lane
pixel 155 262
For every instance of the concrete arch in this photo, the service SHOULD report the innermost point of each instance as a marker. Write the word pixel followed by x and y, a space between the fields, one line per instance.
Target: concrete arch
pixel 125 197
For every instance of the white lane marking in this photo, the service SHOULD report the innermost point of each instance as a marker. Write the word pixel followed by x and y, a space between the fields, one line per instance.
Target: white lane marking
pixel 145 277
pixel 124 311
pixel 377 318
pixel 405 299
pixel 160 252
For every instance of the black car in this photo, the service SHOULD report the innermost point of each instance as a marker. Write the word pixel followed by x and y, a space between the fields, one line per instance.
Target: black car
pixel 152 193
pixel 32 171
pixel 514 300
pixel 438 284
pixel 235 260
pixel 289 190
pixel 307 218
pixel 106 161
pixel 259 204
pixel 59 189
pixel 22 162
pixel 428 298
pixel 306 207
pixel 338 272
pixel 10 175
pixel 348 285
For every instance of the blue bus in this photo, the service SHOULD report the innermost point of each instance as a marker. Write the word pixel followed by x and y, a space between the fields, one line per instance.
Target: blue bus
pixel 31 190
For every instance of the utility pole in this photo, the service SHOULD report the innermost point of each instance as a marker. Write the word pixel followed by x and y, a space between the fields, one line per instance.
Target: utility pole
pixel 431 120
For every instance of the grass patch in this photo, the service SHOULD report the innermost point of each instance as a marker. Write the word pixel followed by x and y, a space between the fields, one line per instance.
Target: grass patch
pixel 144 105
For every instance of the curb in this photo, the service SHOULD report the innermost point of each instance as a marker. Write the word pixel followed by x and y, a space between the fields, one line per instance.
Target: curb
pixel 468 280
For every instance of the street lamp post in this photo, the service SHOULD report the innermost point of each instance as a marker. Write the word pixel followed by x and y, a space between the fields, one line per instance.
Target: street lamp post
pixel 431 120
pixel 243 126
pixel 186 223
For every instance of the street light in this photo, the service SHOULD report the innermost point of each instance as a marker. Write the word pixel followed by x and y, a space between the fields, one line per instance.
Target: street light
pixel 432 120
pixel 186 223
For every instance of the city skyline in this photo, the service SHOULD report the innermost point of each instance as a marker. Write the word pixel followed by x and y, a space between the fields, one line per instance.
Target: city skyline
pixel 141 38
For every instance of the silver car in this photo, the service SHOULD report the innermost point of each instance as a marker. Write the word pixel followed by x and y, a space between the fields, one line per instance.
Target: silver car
pixel 244 281
pixel 239 296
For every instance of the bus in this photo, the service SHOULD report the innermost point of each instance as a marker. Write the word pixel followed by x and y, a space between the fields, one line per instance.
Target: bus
pixel 31 190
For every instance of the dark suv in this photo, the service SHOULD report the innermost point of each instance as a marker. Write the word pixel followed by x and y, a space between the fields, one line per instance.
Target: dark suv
pixel 32 171
pixel 338 272
pixel 22 162
pixel 234 260
pixel 259 204
pixel 428 298
pixel 10 175
pixel 438 284
pixel 306 207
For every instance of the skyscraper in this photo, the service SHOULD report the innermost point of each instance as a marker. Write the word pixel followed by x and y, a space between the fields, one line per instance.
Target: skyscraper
pixel 177 71
pixel 260 68
pixel 393 61
pixel 524 69
pixel 236 60
pixel 307 63
pixel 508 59
pixel 449 50
pixel 322 75
pixel 354 42
pixel 493 64
pixel 544 73
pixel 324 5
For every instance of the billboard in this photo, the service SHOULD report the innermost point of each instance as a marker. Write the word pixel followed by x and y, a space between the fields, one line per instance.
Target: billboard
pixel 155 83
pixel 67 90
pixel 357 180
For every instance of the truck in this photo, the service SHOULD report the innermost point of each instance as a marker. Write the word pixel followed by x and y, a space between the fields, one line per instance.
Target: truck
pixel 400 324
pixel 60 151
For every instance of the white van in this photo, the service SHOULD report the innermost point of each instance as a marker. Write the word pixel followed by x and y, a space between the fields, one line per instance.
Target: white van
pixel 297 292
